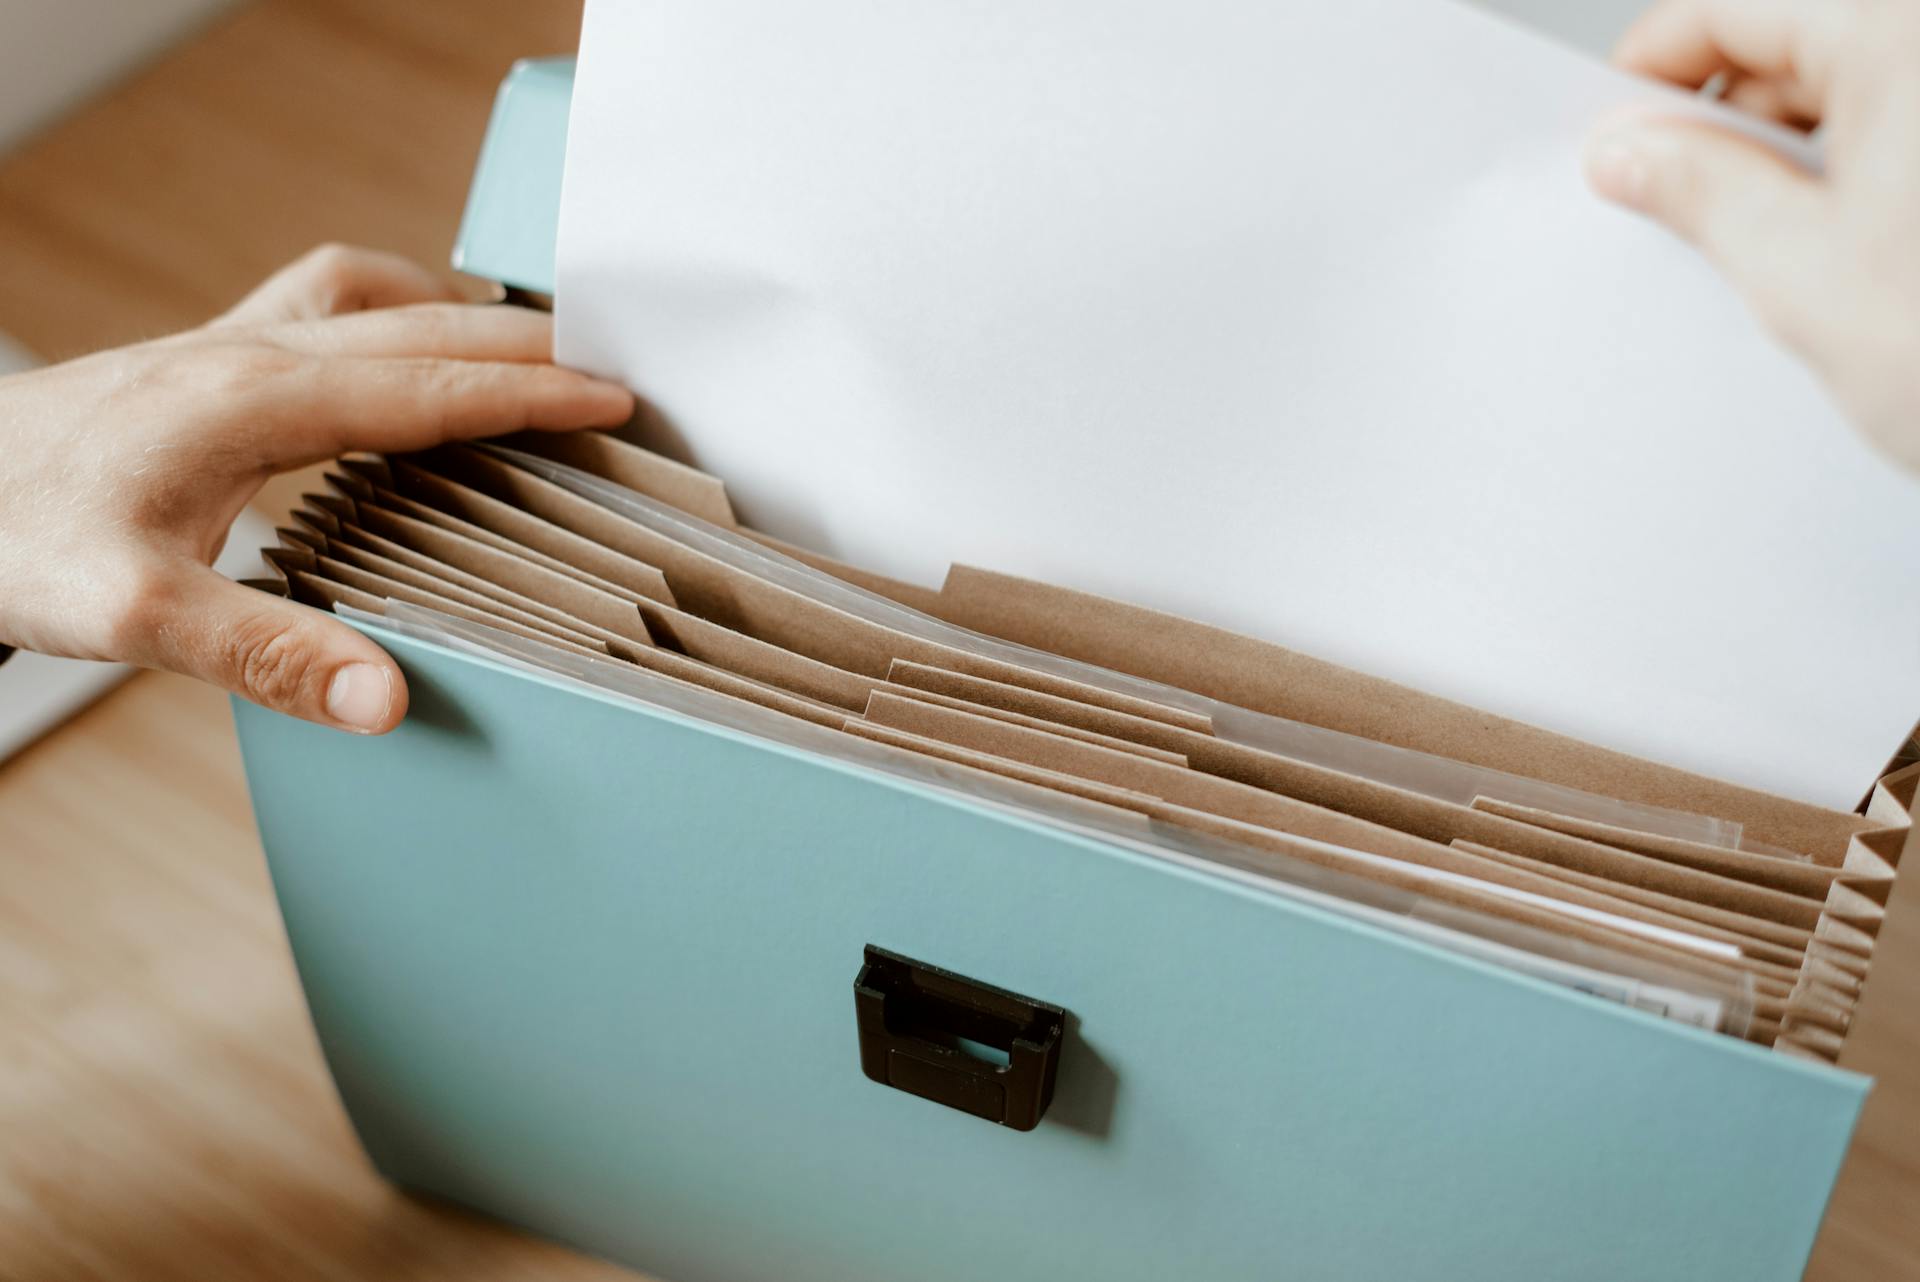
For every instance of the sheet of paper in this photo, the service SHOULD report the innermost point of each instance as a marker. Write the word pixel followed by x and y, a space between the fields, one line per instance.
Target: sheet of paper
pixel 1294 318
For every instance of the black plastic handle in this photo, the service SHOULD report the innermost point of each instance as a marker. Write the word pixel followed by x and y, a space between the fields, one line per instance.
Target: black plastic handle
pixel 916 1022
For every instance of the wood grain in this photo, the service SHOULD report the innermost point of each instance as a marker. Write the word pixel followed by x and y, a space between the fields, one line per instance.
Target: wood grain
pixel 164 1113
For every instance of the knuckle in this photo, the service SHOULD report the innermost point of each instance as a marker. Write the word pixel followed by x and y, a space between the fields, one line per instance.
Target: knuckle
pixel 332 258
pixel 335 273
pixel 271 662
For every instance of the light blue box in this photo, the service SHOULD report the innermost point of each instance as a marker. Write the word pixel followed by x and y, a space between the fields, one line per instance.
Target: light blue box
pixel 587 965
pixel 512 221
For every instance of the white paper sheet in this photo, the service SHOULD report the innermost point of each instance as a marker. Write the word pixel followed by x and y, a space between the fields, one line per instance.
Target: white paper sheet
pixel 1294 318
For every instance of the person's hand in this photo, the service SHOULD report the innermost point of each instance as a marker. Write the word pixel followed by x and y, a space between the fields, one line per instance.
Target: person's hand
pixel 1830 263
pixel 121 472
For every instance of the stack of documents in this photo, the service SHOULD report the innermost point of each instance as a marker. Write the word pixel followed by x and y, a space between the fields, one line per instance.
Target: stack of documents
pixel 592 559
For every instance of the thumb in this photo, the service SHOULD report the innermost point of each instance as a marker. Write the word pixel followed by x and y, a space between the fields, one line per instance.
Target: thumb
pixel 279 654
pixel 1757 216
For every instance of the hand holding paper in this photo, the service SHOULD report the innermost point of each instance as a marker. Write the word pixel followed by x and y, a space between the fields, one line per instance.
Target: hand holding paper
pixel 125 469
pixel 1830 263
pixel 1249 314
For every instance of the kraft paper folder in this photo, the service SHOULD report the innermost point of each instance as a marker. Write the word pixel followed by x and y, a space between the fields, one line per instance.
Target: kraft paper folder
pixel 657 932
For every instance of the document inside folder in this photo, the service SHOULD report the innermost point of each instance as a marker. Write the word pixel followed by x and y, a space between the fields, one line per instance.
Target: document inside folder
pixel 1749 914
pixel 1294 319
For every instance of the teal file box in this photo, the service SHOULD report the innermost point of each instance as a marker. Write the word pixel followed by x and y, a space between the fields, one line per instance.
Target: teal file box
pixel 587 965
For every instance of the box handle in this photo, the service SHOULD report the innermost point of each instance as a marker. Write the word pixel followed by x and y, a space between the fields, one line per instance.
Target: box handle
pixel 956 1041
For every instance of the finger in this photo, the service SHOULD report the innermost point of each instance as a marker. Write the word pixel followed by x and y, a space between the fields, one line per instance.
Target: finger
pixel 272 651
pixel 453 331
pixel 1758 217
pixel 1689 42
pixel 1781 101
pixel 334 279
pixel 395 406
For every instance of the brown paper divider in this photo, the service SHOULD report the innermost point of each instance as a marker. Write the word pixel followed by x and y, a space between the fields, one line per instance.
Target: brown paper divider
pixel 397 504
pixel 912 595
pixel 751 657
pixel 288 559
pixel 529 614
pixel 1820 1005
pixel 1421 816
pixel 312 589
pixel 1750 935
pixel 697 582
pixel 1051 802
pixel 1596 933
pixel 1802 1037
pixel 1792 937
pixel 510 578
pixel 691 671
pixel 766 667
pixel 1647 873
pixel 1276 843
pixel 1447 822
pixel 714 590
pixel 1245 804
pixel 448 598
pixel 1846 946
pixel 1119 798
pixel 1849 941
pixel 1822 970
pixel 370 552
pixel 528 530
pixel 1434 884
pixel 698 494
pixel 323 513
pixel 692 491
pixel 1176 784
pixel 1846 904
pixel 302 534
pixel 358 476
pixel 1040 682
pixel 1054 709
pixel 1805 879
pixel 710 642
pixel 1036 723
pixel 1854 912
pixel 1287 814
pixel 1269 678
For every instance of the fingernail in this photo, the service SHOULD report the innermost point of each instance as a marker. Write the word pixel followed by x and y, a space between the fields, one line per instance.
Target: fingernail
pixel 1617 168
pixel 359 696
pixel 619 400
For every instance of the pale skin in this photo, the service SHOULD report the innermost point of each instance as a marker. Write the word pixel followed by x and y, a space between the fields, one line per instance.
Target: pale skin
pixel 122 471
pixel 1831 264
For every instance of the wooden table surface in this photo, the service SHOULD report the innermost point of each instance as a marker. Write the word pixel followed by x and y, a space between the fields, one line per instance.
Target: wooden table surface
pixel 163 1109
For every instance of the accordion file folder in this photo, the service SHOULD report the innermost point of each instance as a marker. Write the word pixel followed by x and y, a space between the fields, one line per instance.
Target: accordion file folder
pixel 638 981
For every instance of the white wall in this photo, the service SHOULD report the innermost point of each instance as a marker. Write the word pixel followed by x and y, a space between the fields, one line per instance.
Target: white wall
pixel 53 53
